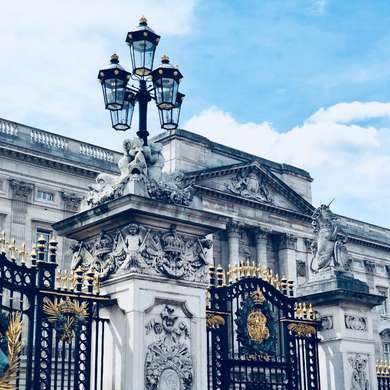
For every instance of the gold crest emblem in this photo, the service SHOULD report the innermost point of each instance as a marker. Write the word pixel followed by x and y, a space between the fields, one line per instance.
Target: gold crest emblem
pixel 257 326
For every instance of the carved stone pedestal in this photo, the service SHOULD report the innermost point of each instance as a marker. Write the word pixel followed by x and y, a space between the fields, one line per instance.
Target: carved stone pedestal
pixel 347 347
pixel 153 258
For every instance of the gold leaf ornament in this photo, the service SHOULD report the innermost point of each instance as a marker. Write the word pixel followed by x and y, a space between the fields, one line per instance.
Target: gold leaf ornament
pixel 14 339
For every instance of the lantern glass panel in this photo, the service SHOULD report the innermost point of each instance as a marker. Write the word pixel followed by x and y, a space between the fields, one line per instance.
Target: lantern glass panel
pixel 121 119
pixel 166 92
pixel 143 56
pixel 114 93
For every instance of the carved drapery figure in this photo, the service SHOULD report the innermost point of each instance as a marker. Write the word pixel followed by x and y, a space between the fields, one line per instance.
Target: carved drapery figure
pixel 136 248
pixel 145 164
pixel 359 378
pixel 168 361
pixel 250 184
pixel 328 247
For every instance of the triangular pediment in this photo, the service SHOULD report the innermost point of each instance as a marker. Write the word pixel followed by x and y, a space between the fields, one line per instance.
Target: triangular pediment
pixel 251 182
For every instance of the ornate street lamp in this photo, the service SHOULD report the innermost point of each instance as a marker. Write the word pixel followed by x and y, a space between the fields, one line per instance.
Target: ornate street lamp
pixel 114 80
pixel 169 119
pixel 120 99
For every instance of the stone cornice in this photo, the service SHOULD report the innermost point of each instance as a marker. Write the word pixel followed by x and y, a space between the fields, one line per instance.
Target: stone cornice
pixel 268 207
pixel 48 163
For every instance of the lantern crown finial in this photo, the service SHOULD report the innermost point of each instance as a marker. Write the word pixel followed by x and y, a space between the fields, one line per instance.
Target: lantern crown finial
pixel 165 59
pixel 114 59
pixel 143 21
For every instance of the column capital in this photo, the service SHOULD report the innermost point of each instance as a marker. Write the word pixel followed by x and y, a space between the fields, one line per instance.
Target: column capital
pixel 21 190
pixel 233 228
pixel 71 201
pixel 261 233
pixel 288 241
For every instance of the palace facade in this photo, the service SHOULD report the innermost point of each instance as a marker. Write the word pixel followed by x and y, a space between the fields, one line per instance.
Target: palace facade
pixel 44 176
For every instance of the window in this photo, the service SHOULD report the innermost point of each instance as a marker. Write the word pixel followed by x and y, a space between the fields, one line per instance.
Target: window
pixel 46 235
pixel 380 269
pixel 45 195
pixel 386 352
pixel 382 309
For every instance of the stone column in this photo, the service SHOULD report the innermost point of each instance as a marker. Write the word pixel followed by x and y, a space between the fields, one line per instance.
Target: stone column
pixel 21 197
pixel 347 347
pixel 261 239
pixel 233 233
pixel 287 266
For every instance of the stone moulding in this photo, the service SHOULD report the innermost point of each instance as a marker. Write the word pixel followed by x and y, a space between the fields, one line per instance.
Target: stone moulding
pixel 136 248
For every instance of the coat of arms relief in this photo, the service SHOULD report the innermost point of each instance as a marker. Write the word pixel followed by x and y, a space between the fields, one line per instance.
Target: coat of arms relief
pixel 141 249
pixel 249 183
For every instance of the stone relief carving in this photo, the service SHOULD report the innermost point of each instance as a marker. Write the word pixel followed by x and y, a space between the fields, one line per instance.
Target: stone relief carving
pixel 71 201
pixel 301 268
pixel 20 189
pixel 141 164
pixel 329 249
pixel 355 322
pixel 359 377
pixel 136 248
pixel 250 184
pixel 168 360
pixel 326 322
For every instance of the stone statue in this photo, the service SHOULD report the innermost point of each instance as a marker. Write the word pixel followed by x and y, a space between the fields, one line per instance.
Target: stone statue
pixel 143 164
pixel 328 247
pixel 359 378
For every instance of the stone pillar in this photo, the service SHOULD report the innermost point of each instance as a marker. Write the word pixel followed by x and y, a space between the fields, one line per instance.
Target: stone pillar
pixel 153 259
pixel 233 233
pixel 287 266
pixel 21 196
pixel 347 347
pixel 261 239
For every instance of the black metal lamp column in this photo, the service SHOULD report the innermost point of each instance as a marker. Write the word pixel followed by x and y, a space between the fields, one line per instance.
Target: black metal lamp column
pixel 161 84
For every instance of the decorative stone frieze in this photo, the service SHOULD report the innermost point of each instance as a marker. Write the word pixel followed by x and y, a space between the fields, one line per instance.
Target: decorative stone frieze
pixel 140 249
pixel 359 373
pixel 168 358
pixel 21 190
pixel 326 322
pixel 287 241
pixel 71 201
pixel 356 322
pixel 249 183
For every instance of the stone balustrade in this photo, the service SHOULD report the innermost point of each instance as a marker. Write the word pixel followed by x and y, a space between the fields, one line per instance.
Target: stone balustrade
pixel 27 137
pixel 55 141
pixel 8 128
pixel 95 152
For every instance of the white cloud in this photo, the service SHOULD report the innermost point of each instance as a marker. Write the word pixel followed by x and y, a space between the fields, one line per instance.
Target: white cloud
pixel 348 160
pixel 52 51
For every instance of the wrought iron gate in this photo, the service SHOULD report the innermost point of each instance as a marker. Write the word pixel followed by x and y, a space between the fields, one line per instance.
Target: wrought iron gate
pixel 51 334
pixel 259 336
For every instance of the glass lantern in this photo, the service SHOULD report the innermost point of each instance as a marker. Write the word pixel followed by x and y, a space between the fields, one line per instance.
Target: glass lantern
pixel 169 119
pixel 121 119
pixel 166 79
pixel 114 80
pixel 142 44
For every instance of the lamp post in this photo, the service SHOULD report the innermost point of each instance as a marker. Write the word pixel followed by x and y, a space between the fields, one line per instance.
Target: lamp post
pixel 160 84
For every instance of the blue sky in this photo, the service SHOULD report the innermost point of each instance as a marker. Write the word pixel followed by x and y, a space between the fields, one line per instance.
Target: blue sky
pixel 299 81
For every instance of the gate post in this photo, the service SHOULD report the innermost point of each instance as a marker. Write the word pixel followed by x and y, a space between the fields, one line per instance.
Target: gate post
pixel 153 258
pixel 347 346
